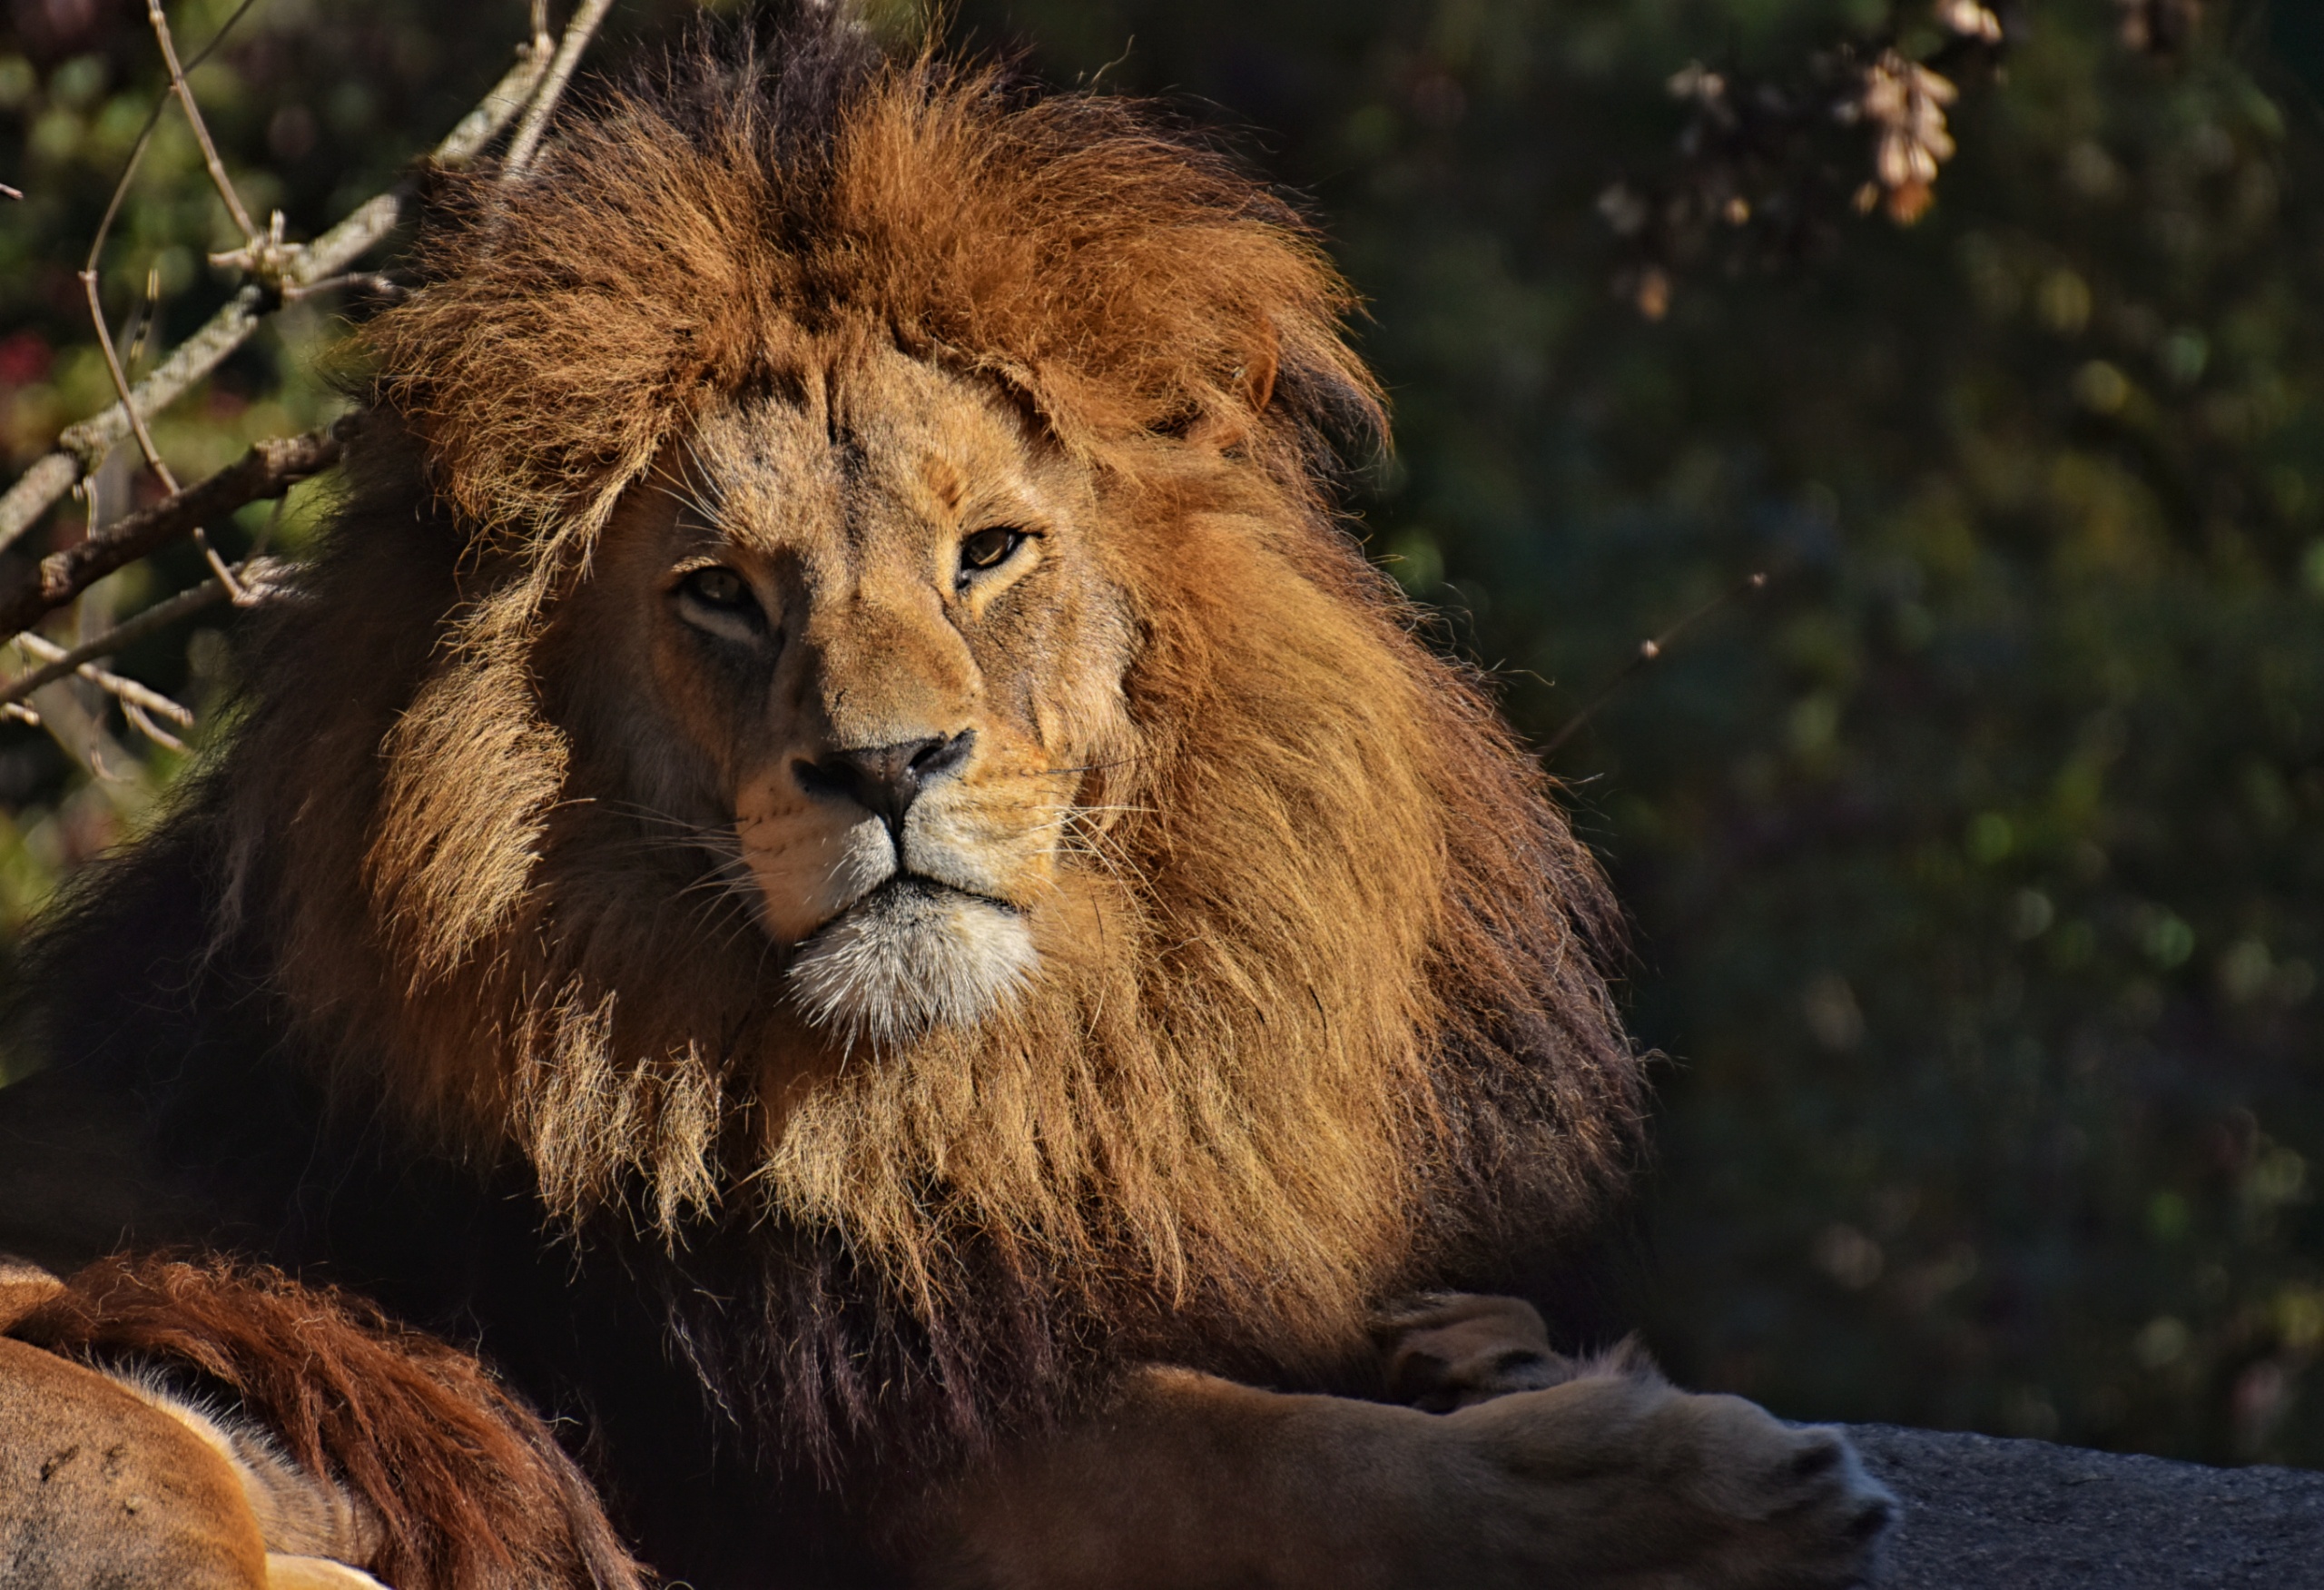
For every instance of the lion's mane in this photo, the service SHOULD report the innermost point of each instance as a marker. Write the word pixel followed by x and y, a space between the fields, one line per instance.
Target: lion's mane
pixel 1348 1026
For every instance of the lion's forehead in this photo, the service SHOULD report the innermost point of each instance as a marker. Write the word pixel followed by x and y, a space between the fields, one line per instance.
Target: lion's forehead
pixel 862 439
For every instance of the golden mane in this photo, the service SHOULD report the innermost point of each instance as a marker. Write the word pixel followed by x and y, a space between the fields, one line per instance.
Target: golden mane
pixel 1347 1026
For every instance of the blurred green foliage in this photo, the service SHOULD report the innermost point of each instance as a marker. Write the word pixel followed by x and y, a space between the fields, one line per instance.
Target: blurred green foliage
pixel 1977 865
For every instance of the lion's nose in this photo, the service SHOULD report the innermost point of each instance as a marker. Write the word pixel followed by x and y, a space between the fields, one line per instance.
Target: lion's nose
pixel 886 779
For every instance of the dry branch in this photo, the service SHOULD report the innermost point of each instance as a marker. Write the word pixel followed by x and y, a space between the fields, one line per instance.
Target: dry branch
pixel 577 35
pixel 81 446
pixel 184 91
pixel 268 470
pixel 129 691
pixel 253 574
pixel 1649 651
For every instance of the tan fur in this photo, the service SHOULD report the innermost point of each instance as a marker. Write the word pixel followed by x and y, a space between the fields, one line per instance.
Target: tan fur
pixel 300 1512
pixel 109 1479
pixel 100 1488
pixel 343 1439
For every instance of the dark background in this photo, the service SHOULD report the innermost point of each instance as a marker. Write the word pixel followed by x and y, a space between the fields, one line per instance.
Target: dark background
pixel 1976 865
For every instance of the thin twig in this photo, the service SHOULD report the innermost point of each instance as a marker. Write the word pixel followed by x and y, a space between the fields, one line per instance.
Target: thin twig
pixel 81 445
pixel 577 35
pixel 268 470
pixel 158 616
pixel 218 178
pixel 148 727
pixel 1648 652
pixel 225 577
pixel 370 281
pixel 146 136
pixel 121 385
pixel 128 690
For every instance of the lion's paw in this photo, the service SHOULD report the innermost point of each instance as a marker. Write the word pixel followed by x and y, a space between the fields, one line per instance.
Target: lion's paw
pixel 1571 1448
pixel 1447 1350
pixel 1647 1485
pixel 1802 1510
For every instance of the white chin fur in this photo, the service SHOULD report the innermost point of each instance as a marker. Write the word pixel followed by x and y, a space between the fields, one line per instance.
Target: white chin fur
pixel 910 957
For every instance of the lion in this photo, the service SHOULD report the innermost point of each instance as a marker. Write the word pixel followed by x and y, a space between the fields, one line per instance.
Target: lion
pixel 202 1425
pixel 839 856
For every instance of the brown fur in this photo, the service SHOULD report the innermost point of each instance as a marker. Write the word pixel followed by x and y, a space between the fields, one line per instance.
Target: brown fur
pixel 467 1489
pixel 1332 1017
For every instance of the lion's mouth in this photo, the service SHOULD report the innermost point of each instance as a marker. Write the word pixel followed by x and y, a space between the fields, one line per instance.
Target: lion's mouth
pixel 910 955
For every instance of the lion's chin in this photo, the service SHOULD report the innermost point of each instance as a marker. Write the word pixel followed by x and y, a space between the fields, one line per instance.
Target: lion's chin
pixel 910 956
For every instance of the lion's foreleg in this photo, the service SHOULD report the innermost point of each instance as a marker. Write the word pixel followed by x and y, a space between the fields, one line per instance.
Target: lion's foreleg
pixel 1610 1480
pixel 1190 1481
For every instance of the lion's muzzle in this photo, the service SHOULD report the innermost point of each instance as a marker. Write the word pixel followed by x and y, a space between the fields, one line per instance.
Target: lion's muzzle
pixel 885 780
pixel 913 954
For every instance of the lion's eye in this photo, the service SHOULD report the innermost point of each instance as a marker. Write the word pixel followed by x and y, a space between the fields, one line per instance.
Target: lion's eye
pixel 719 587
pixel 720 600
pixel 988 548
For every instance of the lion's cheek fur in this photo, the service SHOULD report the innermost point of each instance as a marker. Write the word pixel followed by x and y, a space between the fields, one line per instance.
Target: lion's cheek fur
pixel 808 859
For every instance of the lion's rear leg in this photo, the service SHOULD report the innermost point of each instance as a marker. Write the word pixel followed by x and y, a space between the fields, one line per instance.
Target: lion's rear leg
pixel 100 1488
pixel 330 1445
pixel 294 1573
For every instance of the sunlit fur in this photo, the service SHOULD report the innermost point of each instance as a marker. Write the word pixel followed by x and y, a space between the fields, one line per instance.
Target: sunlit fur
pixel 1309 1005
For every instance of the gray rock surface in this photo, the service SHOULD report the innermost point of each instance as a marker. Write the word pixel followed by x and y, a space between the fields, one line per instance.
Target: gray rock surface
pixel 1982 1514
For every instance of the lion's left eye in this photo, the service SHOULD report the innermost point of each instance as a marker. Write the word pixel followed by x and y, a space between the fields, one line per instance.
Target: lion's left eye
pixel 988 548
pixel 720 600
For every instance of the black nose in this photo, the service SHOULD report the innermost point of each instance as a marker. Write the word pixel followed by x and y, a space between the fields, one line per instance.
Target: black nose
pixel 885 780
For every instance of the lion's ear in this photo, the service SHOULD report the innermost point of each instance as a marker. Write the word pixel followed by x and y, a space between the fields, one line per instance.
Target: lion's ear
pixel 1249 389
pixel 1255 381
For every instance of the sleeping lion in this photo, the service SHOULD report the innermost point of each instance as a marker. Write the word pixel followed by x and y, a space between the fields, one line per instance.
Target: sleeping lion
pixel 839 862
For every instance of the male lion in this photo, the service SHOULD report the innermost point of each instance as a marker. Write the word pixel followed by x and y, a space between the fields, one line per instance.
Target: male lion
pixel 839 856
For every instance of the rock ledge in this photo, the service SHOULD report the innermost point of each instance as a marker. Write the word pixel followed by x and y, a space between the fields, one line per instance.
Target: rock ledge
pixel 1984 1514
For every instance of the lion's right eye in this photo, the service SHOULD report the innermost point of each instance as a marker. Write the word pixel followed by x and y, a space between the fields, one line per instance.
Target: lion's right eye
pixel 719 601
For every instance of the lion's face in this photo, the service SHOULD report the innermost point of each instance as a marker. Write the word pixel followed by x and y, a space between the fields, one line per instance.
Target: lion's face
pixel 854 639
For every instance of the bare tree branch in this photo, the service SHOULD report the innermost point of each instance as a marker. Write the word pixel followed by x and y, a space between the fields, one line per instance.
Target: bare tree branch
pixel 160 616
pixel 121 385
pixel 81 445
pixel 577 35
pixel 145 138
pixel 145 437
pixel 218 178
pixel 268 470
pixel 254 573
pixel 129 691
pixel 148 727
